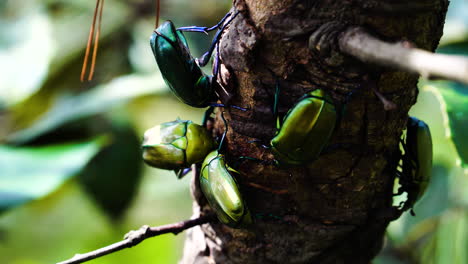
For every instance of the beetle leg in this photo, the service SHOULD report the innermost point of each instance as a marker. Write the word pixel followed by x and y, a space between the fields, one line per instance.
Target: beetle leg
pixel 400 191
pixel 207 116
pixel 182 172
pixel 259 143
pixel 275 104
pixel 224 133
pixel 206 57
pixel 232 106
pixel 204 29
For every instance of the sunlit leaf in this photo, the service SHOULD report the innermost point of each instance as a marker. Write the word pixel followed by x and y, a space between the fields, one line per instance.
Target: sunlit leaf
pixel 32 172
pixel 454 98
pixel 456 24
pixel 70 223
pixel 26 50
pixel 71 108
pixel 451 239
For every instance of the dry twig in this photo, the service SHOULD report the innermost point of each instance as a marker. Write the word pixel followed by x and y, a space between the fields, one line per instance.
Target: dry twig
pixel 134 237
pixel 360 44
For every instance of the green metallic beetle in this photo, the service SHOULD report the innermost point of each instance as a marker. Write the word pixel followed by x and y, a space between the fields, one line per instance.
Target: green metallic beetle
pixel 220 189
pixel 417 162
pixel 180 71
pixel 306 129
pixel 176 145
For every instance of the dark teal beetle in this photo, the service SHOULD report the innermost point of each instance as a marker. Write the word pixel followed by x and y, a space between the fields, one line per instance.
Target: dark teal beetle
pixel 220 189
pixel 416 162
pixel 176 145
pixel 306 129
pixel 180 71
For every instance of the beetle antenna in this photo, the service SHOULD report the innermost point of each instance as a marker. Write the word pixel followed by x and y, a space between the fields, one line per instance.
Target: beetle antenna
pixel 97 18
pixel 157 13
pixel 224 133
pixel 205 58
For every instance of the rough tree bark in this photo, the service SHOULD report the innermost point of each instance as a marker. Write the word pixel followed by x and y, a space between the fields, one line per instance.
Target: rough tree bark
pixel 335 209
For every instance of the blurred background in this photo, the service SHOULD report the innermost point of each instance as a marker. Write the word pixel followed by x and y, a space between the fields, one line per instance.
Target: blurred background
pixel 71 176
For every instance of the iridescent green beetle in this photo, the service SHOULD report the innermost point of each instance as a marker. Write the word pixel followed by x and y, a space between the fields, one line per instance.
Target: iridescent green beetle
pixel 176 145
pixel 220 189
pixel 180 71
pixel 417 162
pixel 306 129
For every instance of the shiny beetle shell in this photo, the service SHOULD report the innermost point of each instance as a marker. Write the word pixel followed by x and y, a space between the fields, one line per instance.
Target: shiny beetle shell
pixel 306 129
pixel 417 161
pixel 176 145
pixel 221 191
pixel 178 68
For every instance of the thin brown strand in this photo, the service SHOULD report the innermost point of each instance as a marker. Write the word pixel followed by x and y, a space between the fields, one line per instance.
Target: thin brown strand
pixel 90 39
pixel 157 13
pixel 96 41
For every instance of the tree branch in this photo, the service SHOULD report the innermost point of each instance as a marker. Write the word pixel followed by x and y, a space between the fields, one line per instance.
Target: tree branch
pixel 358 43
pixel 134 237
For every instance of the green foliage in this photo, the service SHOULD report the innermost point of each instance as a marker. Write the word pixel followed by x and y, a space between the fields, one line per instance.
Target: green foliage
pixel 32 172
pixel 69 108
pixel 455 99
pixel 112 177
pixel 44 106
pixel 48 117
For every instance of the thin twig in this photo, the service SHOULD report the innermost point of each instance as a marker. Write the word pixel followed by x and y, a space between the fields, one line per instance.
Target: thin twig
pixel 360 44
pixel 388 105
pixel 134 237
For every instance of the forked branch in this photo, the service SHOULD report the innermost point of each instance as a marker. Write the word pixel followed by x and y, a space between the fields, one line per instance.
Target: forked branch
pixel 136 236
pixel 367 48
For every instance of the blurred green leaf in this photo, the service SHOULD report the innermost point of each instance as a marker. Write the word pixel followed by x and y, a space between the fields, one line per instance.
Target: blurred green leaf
pixel 456 23
pixel 433 204
pixel 68 222
pixel 435 201
pixel 69 108
pixel 454 99
pixel 450 240
pixel 32 172
pixel 112 177
pixel 26 50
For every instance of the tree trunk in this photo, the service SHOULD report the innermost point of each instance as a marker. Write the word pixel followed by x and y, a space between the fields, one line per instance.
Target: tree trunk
pixel 336 208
